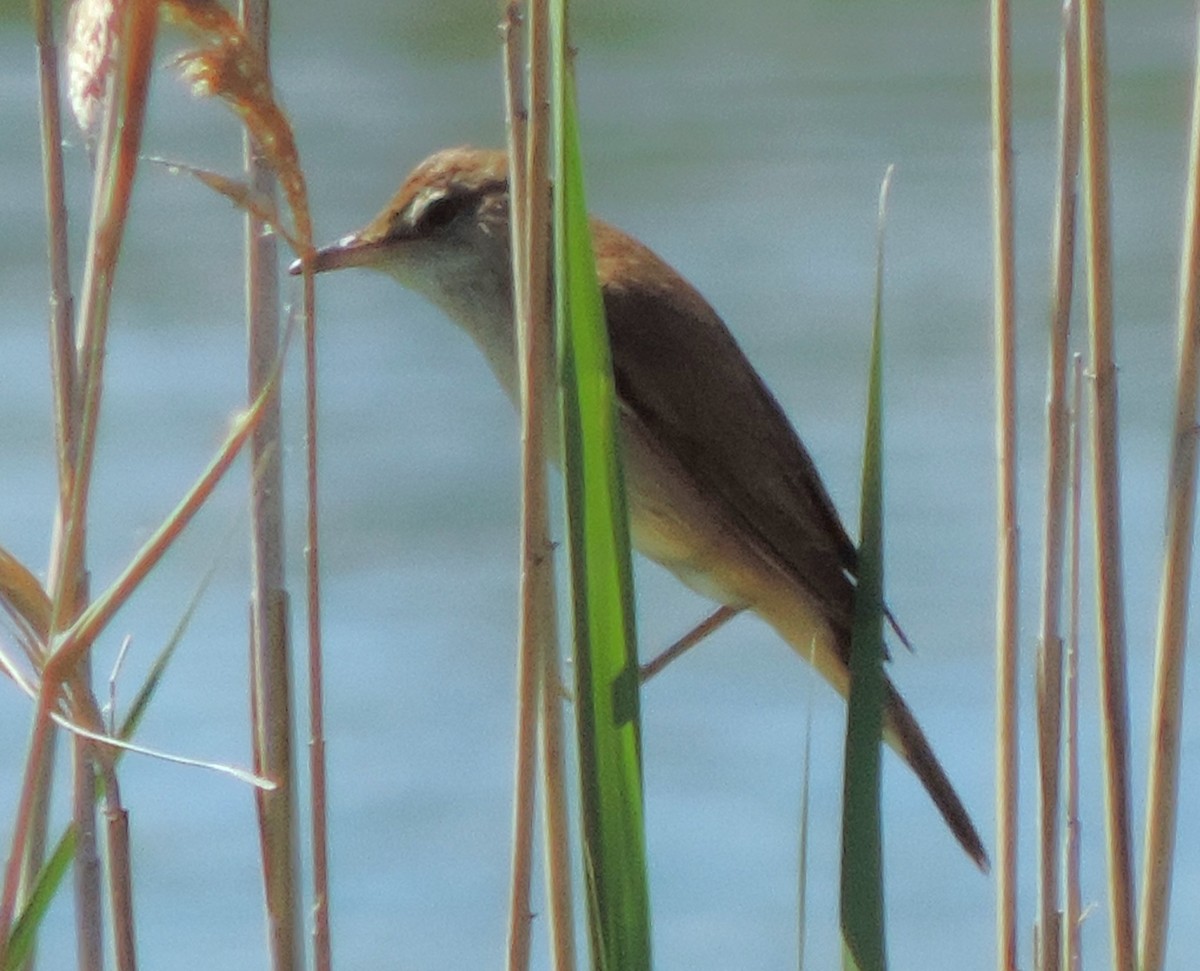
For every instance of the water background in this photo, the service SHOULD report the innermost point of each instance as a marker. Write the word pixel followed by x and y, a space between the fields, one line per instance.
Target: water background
pixel 745 143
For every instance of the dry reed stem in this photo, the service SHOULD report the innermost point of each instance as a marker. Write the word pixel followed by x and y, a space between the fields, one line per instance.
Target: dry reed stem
pixel 1073 909
pixel 117 159
pixel 537 204
pixel 262 207
pixel 1106 491
pixel 1106 487
pixel 319 827
pixel 67 415
pixel 125 81
pixel 270 642
pixel 21 826
pixel 319 830
pixel 89 913
pixel 1006 470
pixel 62 329
pixel 117 165
pixel 234 67
pixel 557 827
pixel 1050 654
pixel 534 522
pixel 227 71
pixel 1166 710
pixel 120 873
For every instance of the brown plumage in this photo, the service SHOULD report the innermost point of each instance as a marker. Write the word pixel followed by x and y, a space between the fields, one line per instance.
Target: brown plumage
pixel 721 489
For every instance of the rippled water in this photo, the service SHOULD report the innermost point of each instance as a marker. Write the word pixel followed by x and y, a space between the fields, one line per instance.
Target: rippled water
pixel 745 144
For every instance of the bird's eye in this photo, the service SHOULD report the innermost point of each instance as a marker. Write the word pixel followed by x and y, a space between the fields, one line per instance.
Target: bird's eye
pixel 438 213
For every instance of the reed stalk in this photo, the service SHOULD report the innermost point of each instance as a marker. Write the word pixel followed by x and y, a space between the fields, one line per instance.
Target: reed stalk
pixel 1007 535
pixel 1167 705
pixel 63 365
pixel 1072 954
pixel 1050 649
pixel 273 705
pixel 1106 497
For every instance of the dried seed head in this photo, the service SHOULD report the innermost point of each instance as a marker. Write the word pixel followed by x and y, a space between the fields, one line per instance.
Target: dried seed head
pixel 92 28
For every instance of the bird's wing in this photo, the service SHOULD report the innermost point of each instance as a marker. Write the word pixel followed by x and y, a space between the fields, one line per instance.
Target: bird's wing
pixel 680 372
pixel 722 425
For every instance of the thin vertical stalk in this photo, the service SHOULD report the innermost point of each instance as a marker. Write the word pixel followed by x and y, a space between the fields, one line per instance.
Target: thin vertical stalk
pixel 64 378
pixel 35 851
pixel 117 160
pixel 297 196
pixel 804 830
pixel 120 874
pixel 540 245
pixel 68 414
pixel 270 639
pixel 1163 784
pixel 322 935
pixel 89 916
pixel 34 758
pixel 557 835
pixel 62 331
pixel 1007 537
pixel 1106 486
pixel 1050 655
pixel 1073 910
pixel 534 522
pixel 79 399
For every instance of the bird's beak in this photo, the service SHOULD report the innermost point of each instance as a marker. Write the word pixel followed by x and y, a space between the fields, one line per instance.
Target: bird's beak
pixel 356 249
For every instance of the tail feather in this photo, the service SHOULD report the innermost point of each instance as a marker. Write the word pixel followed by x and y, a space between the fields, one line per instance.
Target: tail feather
pixel 905 736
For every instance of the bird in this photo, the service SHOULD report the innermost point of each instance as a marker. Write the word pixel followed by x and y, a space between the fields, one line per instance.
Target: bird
pixel 721 490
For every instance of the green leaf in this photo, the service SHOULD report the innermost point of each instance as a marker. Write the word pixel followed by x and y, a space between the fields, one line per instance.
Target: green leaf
pixel 862 916
pixel 605 651
pixel 45 889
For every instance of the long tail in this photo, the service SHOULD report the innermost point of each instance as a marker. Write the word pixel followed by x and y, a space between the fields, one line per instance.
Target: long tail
pixel 905 736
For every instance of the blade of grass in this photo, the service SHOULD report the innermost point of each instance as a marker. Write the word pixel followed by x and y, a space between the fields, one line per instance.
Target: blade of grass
pixel 41 895
pixel 862 910
pixel 606 681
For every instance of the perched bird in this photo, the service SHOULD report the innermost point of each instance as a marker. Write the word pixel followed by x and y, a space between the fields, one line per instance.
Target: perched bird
pixel 721 490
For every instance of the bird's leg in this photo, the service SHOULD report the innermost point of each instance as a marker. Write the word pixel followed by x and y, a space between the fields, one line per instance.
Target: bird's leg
pixel 688 641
